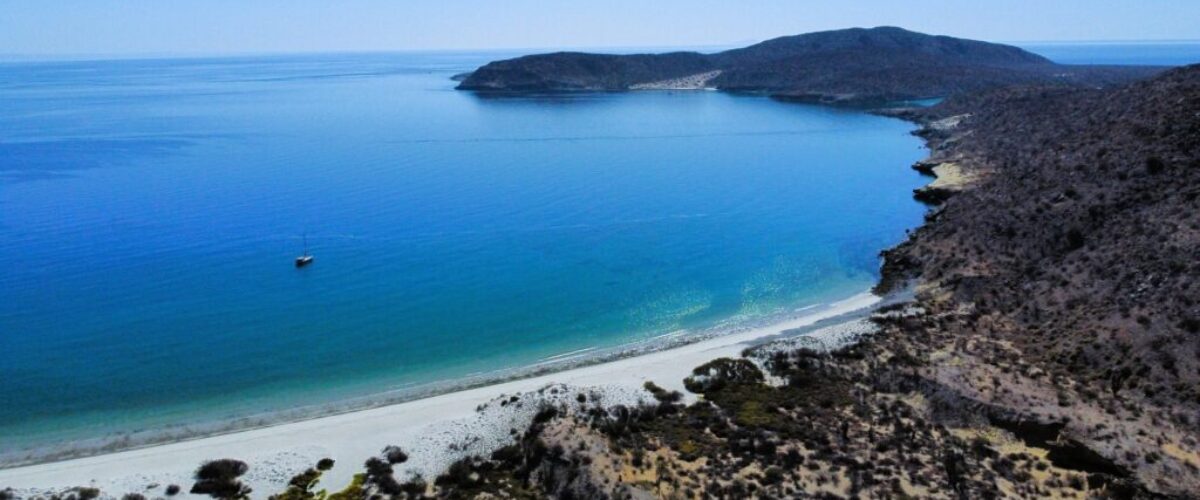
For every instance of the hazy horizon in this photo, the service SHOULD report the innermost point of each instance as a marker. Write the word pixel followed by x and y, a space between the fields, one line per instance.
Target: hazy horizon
pixel 18 57
pixel 135 29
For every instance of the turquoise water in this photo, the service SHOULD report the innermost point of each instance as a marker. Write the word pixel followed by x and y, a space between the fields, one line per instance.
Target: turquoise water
pixel 150 211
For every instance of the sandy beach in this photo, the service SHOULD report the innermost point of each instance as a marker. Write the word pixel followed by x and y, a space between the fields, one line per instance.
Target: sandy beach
pixel 435 431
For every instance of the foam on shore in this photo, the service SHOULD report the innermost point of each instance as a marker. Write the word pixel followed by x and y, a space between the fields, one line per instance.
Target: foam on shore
pixel 435 430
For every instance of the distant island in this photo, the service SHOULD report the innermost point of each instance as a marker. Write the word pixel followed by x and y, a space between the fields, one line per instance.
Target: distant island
pixel 851 66
pixel 1052 344
pixel 1040 336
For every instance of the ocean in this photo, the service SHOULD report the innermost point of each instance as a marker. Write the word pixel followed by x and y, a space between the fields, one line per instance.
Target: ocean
pixel 1134 52
pixel 150 211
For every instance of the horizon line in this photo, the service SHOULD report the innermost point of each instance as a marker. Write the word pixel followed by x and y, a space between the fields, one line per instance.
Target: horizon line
pixel 117 56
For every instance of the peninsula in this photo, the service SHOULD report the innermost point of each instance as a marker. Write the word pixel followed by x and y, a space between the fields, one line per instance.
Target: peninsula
pixel 1040 337
pixel 851 66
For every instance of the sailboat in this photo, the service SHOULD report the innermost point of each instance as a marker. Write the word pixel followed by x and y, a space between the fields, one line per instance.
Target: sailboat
pixel 304 259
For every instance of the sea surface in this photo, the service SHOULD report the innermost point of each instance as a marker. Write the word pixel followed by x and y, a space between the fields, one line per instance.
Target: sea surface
pixel 150 211
pixel 1142 53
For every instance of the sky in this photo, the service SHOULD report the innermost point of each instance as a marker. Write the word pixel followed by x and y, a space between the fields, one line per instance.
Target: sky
pixel 179 27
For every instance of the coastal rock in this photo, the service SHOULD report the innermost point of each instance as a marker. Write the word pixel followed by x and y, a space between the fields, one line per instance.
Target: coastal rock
pixel 951 178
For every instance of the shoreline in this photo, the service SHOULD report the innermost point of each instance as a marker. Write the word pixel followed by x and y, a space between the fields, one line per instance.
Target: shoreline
pixel 136 439
pixel 462 418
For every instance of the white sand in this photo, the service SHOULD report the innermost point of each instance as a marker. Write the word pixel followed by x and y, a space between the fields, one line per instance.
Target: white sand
pixel 434 431
pixel 691 82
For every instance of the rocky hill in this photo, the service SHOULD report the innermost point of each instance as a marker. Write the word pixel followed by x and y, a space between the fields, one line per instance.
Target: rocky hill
pixel 1052 348
pixel 853 66
pixel 1077 251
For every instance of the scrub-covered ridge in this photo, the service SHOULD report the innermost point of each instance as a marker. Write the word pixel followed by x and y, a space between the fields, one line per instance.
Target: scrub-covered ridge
pixel 857 66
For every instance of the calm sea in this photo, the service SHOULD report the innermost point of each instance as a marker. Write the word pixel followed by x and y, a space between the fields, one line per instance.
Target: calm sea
pixel 1145 53
pixel 150 211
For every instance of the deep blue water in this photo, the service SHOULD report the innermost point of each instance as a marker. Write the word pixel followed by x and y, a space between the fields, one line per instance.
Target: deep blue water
pixel 1138 53
pixel 150 211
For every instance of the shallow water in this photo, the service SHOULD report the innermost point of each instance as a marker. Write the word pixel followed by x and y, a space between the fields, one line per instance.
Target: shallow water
pixel 150 211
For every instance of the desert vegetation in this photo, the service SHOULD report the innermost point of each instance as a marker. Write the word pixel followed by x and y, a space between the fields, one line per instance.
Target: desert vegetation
pixel 1051 347
pixel 219 479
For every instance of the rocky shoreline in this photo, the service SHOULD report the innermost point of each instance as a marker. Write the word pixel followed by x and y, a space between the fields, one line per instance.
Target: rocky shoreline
pixel 1067 392
pixel 1051 347
pixel 1020 368
pixel 976 388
